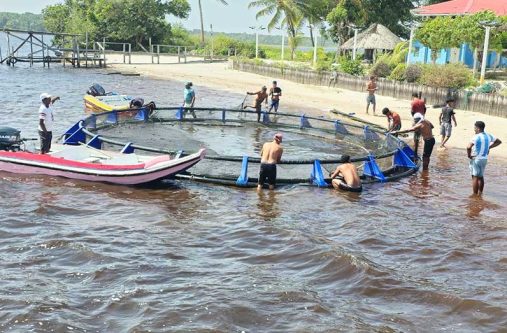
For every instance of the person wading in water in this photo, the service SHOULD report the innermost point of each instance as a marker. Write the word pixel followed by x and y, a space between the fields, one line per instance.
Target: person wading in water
pixel 424 127
pixel 271 154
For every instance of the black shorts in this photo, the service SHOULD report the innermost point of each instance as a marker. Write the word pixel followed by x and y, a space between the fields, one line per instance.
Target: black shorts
pixel 428 147
pixel 267 171
pixel 345 187
pixel 45 141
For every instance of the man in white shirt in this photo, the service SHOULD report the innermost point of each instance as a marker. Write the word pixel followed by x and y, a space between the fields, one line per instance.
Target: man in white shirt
pixel 481 144
pixel 46 119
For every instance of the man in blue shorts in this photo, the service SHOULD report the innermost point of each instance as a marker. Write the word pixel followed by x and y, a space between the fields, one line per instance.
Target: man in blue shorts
pixel 478 151
pixel 275 92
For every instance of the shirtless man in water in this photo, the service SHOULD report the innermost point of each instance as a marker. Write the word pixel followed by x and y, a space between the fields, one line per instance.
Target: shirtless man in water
pixel 424 127
pixel 261 96
pixel 271 154
pixel 349 178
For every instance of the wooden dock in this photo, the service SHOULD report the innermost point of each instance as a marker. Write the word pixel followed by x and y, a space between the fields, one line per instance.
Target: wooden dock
pixel 33 49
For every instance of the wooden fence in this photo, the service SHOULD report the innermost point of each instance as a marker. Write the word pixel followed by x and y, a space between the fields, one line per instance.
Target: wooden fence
pixel 491 104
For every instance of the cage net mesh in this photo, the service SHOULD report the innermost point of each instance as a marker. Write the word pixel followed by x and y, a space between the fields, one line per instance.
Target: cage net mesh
pixel 236 134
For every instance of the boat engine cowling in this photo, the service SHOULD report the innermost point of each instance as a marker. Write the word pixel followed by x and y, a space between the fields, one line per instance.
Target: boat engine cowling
pixel 96 90
pixel 10 138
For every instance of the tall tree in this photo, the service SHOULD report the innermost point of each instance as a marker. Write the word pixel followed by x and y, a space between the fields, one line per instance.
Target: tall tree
pixel 344 14
pixel 125 21
pixel 202 18
pixel 314 13
pixel 393 14
pixel 283 12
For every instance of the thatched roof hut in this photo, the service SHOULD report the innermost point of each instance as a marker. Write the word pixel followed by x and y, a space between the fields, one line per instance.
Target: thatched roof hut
pixel 376 37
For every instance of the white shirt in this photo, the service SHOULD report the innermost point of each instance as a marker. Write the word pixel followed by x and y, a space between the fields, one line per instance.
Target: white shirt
pixel 46 114
pixel 481 142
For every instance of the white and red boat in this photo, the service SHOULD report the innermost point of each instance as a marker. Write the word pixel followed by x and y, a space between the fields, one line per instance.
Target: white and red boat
pixel 90 164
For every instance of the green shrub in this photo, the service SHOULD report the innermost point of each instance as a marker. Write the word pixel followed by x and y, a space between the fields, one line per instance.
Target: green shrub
pixel 323 65
pixel 398 73
pixel 349 66
pixel 413 73
pixel 380 69
pixel 447 76
pixel 399 54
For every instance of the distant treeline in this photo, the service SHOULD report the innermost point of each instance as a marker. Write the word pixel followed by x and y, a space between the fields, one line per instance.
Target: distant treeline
pixel 267 39
pixel 25 21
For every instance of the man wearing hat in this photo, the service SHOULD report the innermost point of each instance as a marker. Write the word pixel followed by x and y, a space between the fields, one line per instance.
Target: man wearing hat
pixel 46 119
pixel 189 99
pixel 271 154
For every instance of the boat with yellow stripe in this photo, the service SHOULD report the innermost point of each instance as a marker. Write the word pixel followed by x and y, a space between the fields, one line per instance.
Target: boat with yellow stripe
pixel 97 100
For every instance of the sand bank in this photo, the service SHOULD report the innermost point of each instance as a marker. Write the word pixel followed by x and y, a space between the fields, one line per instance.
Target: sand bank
pixel 318 100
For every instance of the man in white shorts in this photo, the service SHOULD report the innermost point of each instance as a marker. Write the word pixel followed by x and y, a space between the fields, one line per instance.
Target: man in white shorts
pixel 478 151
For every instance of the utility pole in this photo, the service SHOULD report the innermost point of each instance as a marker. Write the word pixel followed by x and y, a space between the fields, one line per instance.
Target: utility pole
pixel 487 26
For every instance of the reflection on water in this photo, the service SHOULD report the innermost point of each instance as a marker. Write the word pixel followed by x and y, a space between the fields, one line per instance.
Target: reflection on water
pixel 189 257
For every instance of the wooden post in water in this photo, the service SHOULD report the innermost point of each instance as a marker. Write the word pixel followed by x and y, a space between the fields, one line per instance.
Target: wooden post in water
pixel 9 44
pixel 43 55
pixel 77 53
pixel 31 50
pixel 63 50
pixel 86 50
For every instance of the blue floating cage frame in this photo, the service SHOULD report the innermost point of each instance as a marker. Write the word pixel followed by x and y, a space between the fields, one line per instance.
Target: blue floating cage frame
pixel 88 126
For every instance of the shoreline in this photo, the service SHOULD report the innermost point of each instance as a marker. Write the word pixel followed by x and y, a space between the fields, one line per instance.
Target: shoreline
pixel 320 100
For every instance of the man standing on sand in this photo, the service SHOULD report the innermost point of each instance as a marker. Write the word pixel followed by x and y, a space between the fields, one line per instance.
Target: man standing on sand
pixel 371 87
pixel 262 96
pixel 275 92
pixel 189 99
pixel 446 115
pixel 349 178
pixel 46 119
pixel 393 120
pixel 424 127
pixel 481 144
pixel 271 154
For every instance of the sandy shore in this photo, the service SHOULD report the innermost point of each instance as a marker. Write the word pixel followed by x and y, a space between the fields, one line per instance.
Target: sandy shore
pixel 317 100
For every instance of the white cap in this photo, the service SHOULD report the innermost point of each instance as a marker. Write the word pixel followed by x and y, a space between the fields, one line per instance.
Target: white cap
pixel 418 115
pixel 43 96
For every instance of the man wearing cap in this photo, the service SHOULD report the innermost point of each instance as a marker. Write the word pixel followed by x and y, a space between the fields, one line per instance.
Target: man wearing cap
pixel 425 127
pixel 275 92
pixel 46 118
pixel 271 154
pixel 262 96
pixel 189 99
pixel 481 144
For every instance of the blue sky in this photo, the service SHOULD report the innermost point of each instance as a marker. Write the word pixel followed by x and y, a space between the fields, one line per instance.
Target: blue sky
pixel 236 17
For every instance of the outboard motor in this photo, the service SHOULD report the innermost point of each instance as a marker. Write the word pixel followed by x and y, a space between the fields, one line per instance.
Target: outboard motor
pixel 96 90
pixel 10 139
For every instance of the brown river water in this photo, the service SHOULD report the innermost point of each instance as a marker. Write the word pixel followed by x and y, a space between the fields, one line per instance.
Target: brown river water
pixel 416 255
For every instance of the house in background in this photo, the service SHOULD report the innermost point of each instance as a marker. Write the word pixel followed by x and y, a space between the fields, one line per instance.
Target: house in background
pixel 377 38
pixel 464 54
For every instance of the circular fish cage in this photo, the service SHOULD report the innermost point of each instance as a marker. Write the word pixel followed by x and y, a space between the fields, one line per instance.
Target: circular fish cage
pixel 313 146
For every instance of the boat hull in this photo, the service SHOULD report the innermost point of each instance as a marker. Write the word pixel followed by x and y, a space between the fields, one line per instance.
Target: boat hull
pixel 122 177
pixel 101 104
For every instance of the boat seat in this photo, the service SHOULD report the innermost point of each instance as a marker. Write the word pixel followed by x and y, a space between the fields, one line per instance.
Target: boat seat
pixel 122 160
pixel 74 153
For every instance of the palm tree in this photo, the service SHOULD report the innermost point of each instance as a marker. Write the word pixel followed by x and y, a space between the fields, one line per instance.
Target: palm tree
pixel 202 19
pixel 285 12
